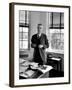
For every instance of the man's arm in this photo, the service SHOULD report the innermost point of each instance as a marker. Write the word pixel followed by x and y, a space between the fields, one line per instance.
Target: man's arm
pixel 46 43
pixel 33 45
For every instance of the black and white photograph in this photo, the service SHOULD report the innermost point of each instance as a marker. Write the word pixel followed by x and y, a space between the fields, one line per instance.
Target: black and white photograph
pixel 40 32
pixel 41 44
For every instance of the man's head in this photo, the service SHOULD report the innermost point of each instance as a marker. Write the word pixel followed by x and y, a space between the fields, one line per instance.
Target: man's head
pixel 40 28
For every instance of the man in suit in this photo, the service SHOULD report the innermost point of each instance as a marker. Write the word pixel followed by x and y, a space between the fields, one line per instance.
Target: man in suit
pixel 39 42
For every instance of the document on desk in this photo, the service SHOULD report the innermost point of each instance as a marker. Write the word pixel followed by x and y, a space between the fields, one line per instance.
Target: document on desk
pixel 45 68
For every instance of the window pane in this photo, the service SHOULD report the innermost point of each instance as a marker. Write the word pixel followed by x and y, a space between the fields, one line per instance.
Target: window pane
pixel 50 20
pixel 25 44
pixel 20 36
pixel 62 19
pixel 20 44
pixel 57 41
pixel 25 29
pixel 20 29
pixel 62 37
pixel 25 36
pixel 27 17
pixel 22 16
pixel 56 19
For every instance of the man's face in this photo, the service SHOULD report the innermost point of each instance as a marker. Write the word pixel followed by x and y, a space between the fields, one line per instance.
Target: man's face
pixel 40 28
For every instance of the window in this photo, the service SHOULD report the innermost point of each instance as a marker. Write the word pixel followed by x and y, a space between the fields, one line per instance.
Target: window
pixel 57 39
pixel 23 29
pixel 56 20
pixel 56 31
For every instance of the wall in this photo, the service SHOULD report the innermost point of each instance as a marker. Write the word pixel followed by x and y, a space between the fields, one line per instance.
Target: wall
pixel 4 45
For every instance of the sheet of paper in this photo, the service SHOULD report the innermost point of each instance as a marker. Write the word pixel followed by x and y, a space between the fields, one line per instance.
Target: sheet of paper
pixel 57 59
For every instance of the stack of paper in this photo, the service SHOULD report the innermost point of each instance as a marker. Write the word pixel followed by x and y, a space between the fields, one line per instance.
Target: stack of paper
pixel 48 68
pixel 27 74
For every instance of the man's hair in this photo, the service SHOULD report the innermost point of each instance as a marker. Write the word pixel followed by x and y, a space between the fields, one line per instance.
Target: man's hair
pixel 39 25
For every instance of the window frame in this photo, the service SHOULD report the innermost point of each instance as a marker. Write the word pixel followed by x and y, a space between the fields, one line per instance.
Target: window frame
pixel 22 25
pixel 49 28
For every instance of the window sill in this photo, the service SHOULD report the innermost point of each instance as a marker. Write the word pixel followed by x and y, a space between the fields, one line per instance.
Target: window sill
pixel 55 51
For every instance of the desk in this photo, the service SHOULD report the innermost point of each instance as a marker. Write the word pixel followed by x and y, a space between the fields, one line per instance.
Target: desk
pixel 55 62
pixel 33 71
pixel 45 73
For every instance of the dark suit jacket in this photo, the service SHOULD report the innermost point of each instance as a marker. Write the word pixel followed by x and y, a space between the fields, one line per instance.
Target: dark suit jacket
pixel 39 52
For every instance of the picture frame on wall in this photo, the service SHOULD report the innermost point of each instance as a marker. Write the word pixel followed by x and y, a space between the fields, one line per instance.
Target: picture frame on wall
pixel 39 44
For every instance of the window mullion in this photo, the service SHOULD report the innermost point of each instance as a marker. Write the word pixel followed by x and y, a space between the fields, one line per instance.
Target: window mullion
pixel 60 20
pixel 22 37
pixel 25 17
pixel 52 20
